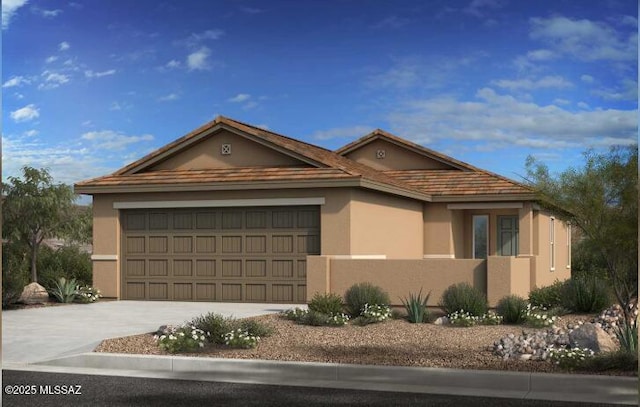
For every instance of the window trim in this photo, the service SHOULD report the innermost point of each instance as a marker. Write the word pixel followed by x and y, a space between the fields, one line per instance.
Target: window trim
pixel 552 243
pixel 568 245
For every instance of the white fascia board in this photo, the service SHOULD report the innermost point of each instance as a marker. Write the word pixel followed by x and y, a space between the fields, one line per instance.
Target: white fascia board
pixel 486 205
pixel 219 203
pixel 357 256
pixel 104 257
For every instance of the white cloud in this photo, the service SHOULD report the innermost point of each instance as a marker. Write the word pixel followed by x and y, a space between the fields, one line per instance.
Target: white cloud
pixel 392 22
pixel 239 98
pixel 25 114
pixel 585 39
pixel 351 132
pixel 46 13
pixel 91 74
pixel 540 55
pixel 173 64
pixel 195 39
pixel 586 78
pixel 529 84
pixel 16 81
pixel 113 140
pixel 198 60
pixel 63 46
pixel 53 80
pixel 169 97
pixel 628 90
pixel 9 9
pixel 493 120
pixel 31 133
pixel 51 59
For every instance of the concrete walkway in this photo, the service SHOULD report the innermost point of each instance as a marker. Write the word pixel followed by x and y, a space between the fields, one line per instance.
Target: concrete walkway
pixel 37 334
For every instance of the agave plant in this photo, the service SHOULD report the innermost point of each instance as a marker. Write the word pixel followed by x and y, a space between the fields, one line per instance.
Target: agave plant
pixel 416 307
pixel 65 290
pixel 627 334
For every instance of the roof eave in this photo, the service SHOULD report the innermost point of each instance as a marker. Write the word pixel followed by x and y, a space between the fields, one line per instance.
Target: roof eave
pixel 499 197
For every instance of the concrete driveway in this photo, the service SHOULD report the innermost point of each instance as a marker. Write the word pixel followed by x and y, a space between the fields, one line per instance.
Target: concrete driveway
pixel 37 334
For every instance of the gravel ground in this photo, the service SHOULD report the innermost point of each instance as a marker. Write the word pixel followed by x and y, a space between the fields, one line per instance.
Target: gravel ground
pixel 393 342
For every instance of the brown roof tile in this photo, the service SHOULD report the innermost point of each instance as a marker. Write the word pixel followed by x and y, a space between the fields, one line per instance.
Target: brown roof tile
pixel 456 183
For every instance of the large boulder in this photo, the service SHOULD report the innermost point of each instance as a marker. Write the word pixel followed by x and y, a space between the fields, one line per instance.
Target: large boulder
pixel 34 293
pixel 592 337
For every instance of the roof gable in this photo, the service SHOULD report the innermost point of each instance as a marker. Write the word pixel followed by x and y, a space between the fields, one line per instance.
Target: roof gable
pixel 398 154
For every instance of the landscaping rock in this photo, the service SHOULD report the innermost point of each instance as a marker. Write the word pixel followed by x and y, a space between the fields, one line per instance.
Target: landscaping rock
pixel 441 321
pixel 34 293
pixel 591 337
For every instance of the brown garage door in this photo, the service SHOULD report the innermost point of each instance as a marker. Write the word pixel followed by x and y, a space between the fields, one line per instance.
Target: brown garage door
pixel 218 254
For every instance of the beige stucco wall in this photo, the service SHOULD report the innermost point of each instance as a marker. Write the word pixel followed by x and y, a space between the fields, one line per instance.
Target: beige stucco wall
pixel 244 153
pixel 507 275
pixel 396 157
pixel 398 277
pixel 543 275
pixel 385 225
pixel 439 223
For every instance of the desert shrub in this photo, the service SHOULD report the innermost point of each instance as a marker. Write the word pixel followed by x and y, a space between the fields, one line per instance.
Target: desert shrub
pixel 586 294
pixel 87 294
pixel 462 318
pixel 186 338
pixel 65 291
pixel 627 334
pixel 330 304
pixel 570 359
pixel 239 338
pixel 15 266
pixel 605 361
pixel 294 314
pixel 314 318
pixel 358 295
pixel 463 297
pixel 491 318
pixel 216 325
pixel 416 307
pixel 547 297
pixel 68 261
pixel 253 327
pixel 539 317
pixel 512 308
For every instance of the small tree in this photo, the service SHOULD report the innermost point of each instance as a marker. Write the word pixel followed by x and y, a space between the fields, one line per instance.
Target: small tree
pixel 35 209
pixel 601 199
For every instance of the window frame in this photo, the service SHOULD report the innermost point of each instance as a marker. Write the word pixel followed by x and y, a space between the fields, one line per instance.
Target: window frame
pixel 473 235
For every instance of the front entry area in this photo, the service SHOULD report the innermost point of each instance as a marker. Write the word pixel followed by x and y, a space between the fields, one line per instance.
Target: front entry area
pixel 253 254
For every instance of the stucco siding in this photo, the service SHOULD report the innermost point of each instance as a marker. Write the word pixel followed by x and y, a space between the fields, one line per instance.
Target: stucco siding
pixel 544 275
pixel 438 230
pixel 385 225
pixel 244 153
pixel 395 158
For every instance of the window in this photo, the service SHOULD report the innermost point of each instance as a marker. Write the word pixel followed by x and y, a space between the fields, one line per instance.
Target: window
pixel 508 235
pixel 552 242
pixel 480 236
pixel 568 245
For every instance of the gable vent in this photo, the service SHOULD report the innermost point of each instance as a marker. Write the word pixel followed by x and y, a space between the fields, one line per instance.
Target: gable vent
pixel 225 149
pixel 380 154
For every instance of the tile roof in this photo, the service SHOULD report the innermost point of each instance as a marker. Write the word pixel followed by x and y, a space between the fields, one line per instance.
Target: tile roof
pixel 218 175
pixel 328 165
pixel 458 183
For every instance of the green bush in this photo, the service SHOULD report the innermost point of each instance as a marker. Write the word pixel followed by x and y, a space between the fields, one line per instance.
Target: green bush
pixel 253 327
pixel 15 266
pixel 314 318
pixel 181 339
pixel 606 361
pixel 68 261
pixel 65 291
pixel 586 294
pixel 217 325
pixel 416 307
pixel 463 297
pixel 547 297
pixel 512 308
pixel 330 304
pixel 358 295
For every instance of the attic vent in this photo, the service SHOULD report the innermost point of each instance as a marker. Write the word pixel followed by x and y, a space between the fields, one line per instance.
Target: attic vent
pixel 380 154
pixel 225 149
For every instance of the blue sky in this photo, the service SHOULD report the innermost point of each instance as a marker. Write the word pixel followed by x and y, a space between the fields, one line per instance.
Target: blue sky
pixel 89 86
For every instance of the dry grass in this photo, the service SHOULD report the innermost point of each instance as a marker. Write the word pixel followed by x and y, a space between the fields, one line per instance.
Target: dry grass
pixel 394 342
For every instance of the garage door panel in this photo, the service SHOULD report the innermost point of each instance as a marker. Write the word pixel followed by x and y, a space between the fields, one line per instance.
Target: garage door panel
pixel 205 292
pixel 231 268
pixel 159 221
pixel 218 254
pixel 135 268
pixel 205 244
pixel 231 292
pixel 182 268
pixel 205 268
pixel 158 291
pixel 158 268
